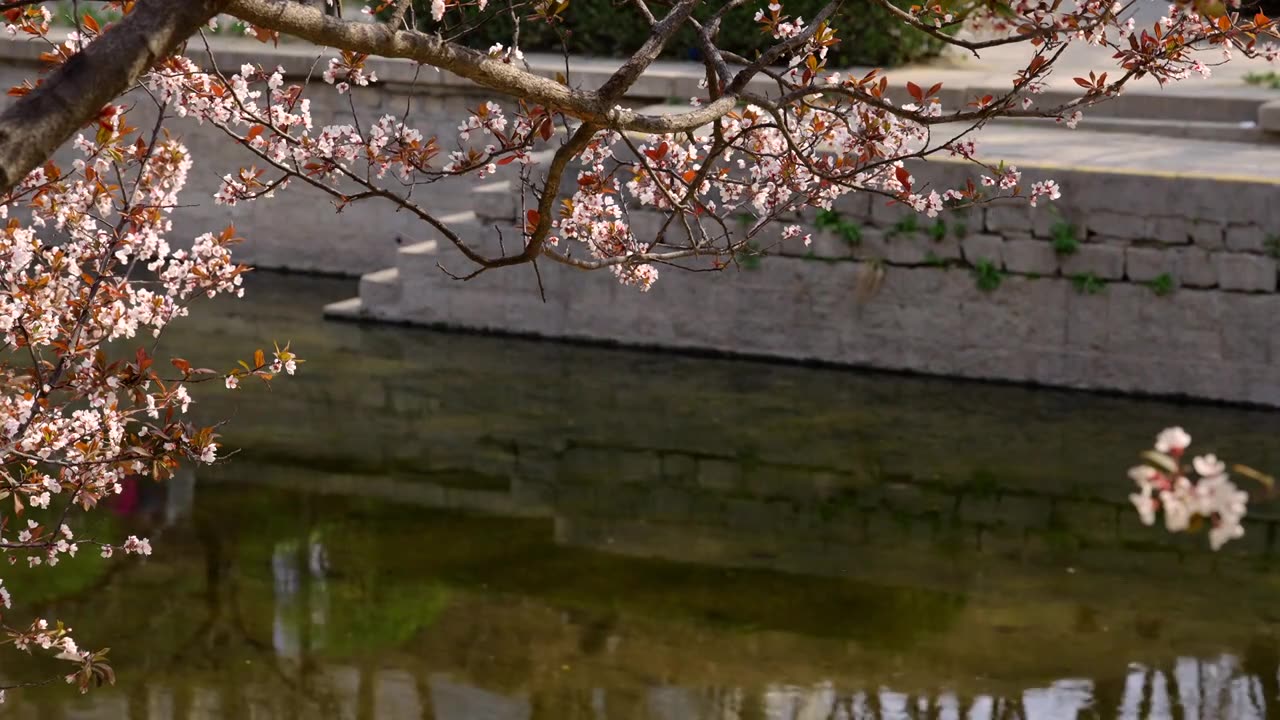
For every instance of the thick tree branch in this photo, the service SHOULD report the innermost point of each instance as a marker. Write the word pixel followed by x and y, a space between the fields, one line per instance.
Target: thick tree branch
pixel 376 39
pixel 37 124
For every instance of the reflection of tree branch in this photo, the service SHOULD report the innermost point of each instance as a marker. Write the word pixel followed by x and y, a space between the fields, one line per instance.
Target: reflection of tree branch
pixel 226 620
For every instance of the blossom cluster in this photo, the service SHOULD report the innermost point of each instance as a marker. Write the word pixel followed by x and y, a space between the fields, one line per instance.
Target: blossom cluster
pixel 87 265
pixel 1166 485
pixel 257 109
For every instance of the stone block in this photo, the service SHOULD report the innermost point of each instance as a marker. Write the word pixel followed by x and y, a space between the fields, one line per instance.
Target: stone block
pixel 919 249
pixel 1246 327
pixel 1248 273
pixel 718 474
pixel 1127 331
pixel 1246 238
pixel 965 221
pixel 977 248
pixel 948 248
pixel 497 201
pixel 1009 218
pixel 1171 230
pixel 1103 261
pixel 885 212
pixel 822 244
pixel 679 467
pixel 873 246
pixel 1110 240
pixel 1206 234
pixel 1144 264
pixel 1269 116
pixel 1197 315
pixel 907 249
pixel 1196 268
pixel 1022 312
pixel 1260 385
pixel 854 205
pixel 1045 219
pixel 1064 368
pixel 1029 256
pixel 1121 225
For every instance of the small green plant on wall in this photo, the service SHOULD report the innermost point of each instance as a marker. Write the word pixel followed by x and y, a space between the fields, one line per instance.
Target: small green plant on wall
pixel 987 276
pixel 1063 235
pixel 908 224
pixel 750 257
pixel 1269 79
pixel 1273 245
pixel 847 230
pixel 1162 284
pixel 1088 283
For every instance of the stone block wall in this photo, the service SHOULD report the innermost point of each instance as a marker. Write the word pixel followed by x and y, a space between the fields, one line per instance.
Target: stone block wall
pixel 1136 283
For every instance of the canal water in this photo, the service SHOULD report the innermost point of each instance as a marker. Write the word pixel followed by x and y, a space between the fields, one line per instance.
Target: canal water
pixel 460 527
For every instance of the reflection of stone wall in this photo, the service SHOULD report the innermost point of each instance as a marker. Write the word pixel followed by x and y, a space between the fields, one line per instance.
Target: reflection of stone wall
pixel 377 400
pixel 1190 687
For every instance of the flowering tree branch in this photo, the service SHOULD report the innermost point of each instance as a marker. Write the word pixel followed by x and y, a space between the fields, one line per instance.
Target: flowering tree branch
pixel 1192 497
pixel 767 138
pixel 826 134
pixel 45 118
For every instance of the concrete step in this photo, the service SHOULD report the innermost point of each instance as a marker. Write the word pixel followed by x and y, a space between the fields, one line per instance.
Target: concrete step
pixel 380 292
pixel 1236 132
pixel 1131 153
pixel 349 309
pixel 413 260
pixel 1185 103
pixel 1223 119
pixel 497 201
pixel 1132 146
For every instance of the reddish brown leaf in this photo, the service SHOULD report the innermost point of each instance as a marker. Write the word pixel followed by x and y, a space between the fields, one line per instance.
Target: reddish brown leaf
pixel 656 154
pixel 904 178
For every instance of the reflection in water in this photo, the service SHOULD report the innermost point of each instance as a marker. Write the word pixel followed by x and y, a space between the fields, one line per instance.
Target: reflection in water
pixel 301 597
pixel 733 543
pixel 508 650
pixel 396 695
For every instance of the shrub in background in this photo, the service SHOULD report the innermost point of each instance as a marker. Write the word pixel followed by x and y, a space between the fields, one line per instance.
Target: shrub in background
pixel 609 28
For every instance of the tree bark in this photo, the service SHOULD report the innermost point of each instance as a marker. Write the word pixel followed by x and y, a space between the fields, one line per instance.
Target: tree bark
pixel 72 95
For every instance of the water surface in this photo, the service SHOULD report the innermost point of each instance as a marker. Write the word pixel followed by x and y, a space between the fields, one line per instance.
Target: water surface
pixel 453 526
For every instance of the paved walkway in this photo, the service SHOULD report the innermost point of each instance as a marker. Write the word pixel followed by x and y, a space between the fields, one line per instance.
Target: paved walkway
pixel 1129 153
pixel 995 67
